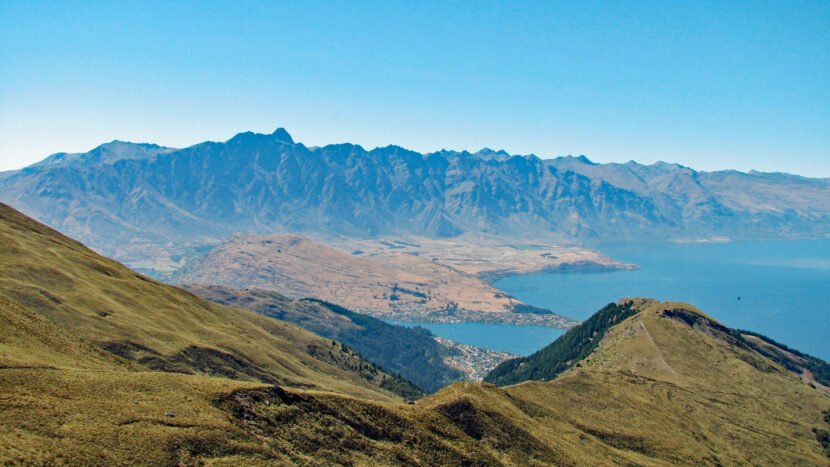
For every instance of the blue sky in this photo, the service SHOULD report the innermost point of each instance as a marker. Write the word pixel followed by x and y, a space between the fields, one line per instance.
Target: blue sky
pixel 711 85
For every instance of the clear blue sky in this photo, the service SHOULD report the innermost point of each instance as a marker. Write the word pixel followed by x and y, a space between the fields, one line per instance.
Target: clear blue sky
pixel 711 85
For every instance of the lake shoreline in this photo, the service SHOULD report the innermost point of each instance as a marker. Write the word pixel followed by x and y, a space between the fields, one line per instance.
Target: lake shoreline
pixel 584 266
pixel 779 288
pixel 552 320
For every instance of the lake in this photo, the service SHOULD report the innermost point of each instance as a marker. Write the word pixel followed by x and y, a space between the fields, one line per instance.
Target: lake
pixel 520 340
pixel 784 286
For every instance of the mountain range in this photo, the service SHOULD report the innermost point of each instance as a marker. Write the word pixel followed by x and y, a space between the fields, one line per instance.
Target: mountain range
pixel 146 203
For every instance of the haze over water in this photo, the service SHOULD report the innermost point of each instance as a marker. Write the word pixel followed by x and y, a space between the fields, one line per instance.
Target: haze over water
pixel 780 289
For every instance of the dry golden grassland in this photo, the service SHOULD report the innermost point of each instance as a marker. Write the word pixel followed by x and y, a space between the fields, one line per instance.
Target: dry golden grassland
pixel 664 387
pixel 163 327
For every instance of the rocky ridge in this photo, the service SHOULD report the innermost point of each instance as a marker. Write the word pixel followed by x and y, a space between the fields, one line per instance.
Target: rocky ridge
pixel 144 204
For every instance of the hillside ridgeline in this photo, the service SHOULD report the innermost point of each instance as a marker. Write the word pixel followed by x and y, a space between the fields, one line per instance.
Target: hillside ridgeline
pixel 573 348
pixel 566 351
pixel 411 352
pixel 164 328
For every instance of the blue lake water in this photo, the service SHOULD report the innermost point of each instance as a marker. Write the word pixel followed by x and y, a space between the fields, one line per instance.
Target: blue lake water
pixel 784 286
pixel 521 340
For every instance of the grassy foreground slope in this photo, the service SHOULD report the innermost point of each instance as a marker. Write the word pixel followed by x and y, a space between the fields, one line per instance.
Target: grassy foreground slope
pixel 66 401
pixel 664 386
pixel 411 352
pixel 648 395
pixel 165 328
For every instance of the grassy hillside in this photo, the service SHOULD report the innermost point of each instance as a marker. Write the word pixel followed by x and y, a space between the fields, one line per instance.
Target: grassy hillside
pixel 648 395
pixel 665 386
pixel 27 340
pixel 576 344
pixel 166 328
pixel 564 352
pixel 791 359
pixel 410 352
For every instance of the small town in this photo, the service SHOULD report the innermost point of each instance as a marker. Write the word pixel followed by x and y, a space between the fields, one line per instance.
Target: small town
pixel 412 313
pixel 474 361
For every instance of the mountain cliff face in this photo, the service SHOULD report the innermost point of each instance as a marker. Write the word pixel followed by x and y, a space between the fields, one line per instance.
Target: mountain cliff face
pixel 136 201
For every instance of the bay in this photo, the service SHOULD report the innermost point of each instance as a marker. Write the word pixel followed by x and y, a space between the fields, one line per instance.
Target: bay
pixel 779 288
pixel 516 339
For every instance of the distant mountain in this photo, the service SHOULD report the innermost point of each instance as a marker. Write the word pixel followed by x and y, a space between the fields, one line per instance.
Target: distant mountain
pixel 108 153
pixel 144 202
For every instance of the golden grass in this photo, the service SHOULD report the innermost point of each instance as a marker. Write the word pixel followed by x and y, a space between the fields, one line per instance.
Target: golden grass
pixel 727 413
pixel 656 391
pixel 164 327
pixel 93 417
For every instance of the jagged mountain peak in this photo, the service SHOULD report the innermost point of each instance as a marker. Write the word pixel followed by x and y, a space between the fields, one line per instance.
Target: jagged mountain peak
pixel 282 135
pixel 117 143
pixel 489 154
pixel 246 137
pixel 488 151
pixel 584 159
pixel 668 166
pixel 208 191
pixel 571 161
